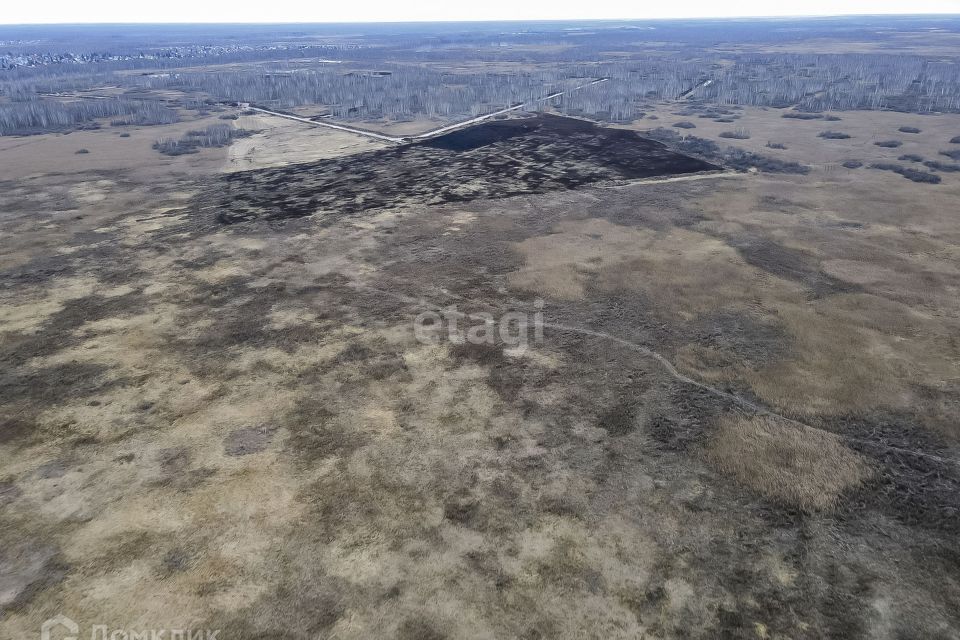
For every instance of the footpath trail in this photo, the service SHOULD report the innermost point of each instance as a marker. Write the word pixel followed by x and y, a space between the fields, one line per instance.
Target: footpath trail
pixel 427 134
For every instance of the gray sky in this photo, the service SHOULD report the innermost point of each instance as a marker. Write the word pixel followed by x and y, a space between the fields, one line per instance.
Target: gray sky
pixel 64 11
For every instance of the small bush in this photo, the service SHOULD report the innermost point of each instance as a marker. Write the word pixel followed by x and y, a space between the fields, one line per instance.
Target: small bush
pixel 889 144
pixel 725 120
pixel 82 151
pixel 798 115
pixel 229 116
pixel 908 130
pixel 834 135
pixel 124 135
pixel 920 176
pixel 684 124
pixel 852 164
pixel 832 118
pixel 909 174
pixel 216 135
pixel 955 140
pixel 942 166
pixel 912 157
pixel 953 154
pixel 739 134
pixel 776 145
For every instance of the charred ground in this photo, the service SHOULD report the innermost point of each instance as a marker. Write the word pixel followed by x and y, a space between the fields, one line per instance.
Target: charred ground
pixel 491 160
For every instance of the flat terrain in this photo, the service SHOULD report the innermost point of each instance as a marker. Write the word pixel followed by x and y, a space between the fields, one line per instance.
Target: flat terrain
pixel 741 420
pixel 490 160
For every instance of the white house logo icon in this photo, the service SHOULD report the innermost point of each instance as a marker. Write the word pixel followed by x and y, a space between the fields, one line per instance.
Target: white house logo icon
pixel 46 631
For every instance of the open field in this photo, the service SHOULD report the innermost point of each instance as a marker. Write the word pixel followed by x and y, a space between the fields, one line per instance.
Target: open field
pixel 736 412
pixel 233 426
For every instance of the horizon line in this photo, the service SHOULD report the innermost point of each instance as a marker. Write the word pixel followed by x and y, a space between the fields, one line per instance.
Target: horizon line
pixel 485 20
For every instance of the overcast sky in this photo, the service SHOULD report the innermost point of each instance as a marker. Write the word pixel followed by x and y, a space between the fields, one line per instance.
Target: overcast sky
pixel 67 11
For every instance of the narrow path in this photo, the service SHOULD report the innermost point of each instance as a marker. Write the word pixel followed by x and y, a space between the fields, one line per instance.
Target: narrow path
pixel 427 134
pixel 330 125
pixel 668 366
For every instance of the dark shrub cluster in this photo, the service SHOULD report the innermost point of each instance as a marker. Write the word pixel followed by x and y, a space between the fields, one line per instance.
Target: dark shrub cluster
pixel 776 145
pixel 942 166
pixel 216 135
pixel 832 118
pixel 953 154
pixel 799 115
pixel 834 135
pixel 955 140
pixel 739 134
pixel 908 130
pixel 912 157
pixel 889 144
pixel 684 124
pixel 852 164
pixel 731 156
pixel 909 174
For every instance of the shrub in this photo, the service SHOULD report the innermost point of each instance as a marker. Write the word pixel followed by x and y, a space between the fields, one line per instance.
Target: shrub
pixel 216 135
pixel 912 157
pixel 798 115
pixel 124 135
pixel 739 134
pixel 955 140
pixel 684 124
pixel 731 156
pixel 832 118
pixel 908 130
pixel 886 166
pixel 725 120
pixel 82 151
pixel 920 176
pixel 776 145
pixel 953 154
pixel 229 116
pixel 888 144
pixel 852 164
pixel 833 135
pixel 909 174
pixel 941 166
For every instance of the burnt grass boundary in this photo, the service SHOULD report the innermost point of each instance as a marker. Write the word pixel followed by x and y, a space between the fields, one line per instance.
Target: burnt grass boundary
pixel 491 160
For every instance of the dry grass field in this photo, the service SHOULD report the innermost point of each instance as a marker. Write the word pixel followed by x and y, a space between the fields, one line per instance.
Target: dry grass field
pixel 741 421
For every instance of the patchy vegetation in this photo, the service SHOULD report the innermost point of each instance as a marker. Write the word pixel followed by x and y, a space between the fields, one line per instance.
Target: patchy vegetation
pixel 739 134
pixel 889 144
pixel 910 174
pixel 214 136
pixel 833 135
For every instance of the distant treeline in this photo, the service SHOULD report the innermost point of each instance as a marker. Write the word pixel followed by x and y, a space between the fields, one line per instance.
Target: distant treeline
pixel 38 116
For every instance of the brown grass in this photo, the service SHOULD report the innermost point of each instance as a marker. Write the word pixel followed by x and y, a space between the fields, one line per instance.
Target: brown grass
pixel 799 466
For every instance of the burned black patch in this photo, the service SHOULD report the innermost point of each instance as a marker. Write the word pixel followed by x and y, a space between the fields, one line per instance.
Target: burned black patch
pixel 740 339
pixel 490 160
pixel 916 479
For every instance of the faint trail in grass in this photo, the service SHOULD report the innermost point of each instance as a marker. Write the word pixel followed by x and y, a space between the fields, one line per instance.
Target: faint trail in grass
pixel 668 366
